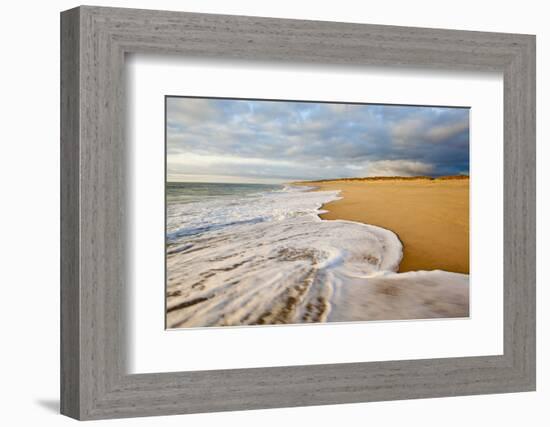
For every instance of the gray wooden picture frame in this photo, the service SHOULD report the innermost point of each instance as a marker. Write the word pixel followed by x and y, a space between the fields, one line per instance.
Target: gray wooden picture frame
pixel 94 41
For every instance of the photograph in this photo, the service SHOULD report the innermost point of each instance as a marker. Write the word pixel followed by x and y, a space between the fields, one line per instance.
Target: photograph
pixel 288 212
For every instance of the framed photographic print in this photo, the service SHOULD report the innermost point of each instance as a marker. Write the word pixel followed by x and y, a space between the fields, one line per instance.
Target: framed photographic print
pixel 262 213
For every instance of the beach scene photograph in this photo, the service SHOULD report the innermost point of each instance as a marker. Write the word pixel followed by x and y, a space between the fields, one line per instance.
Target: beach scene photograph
pixel 293 212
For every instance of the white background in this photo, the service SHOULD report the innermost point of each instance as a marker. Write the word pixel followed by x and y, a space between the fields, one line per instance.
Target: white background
pixel 154 350
pixel 30 213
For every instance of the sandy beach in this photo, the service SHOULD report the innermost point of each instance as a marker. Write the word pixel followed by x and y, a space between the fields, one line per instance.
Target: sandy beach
pixel 255 255
pixel 430 216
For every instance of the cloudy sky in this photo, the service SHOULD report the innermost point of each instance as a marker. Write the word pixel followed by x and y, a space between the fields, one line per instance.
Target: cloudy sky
pixel 218 140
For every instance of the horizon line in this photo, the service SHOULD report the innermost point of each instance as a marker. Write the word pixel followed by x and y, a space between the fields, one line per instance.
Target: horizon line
pixel 359 178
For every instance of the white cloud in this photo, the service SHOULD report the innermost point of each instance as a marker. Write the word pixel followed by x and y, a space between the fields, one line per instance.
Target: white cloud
pixel 398 168
pixel 193 159
pixel 187 112
pixel 404 130
pixel 443 132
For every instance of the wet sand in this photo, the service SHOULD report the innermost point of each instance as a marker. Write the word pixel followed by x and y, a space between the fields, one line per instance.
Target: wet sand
pixel 430 217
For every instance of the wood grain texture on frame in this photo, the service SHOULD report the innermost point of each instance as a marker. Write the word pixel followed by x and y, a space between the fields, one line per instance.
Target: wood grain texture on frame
pixel 94 270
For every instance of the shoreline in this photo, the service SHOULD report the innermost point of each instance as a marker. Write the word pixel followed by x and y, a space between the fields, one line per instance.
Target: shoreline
pixel 429 216
pixel 226 268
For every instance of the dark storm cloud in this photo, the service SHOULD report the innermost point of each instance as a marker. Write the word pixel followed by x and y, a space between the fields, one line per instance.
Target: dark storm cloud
pixel 278 141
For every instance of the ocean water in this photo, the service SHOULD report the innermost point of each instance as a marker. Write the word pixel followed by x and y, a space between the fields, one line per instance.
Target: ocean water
pixel 256 254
